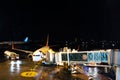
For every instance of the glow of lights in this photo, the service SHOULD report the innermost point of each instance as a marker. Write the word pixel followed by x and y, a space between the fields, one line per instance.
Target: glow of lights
pixel 12 66
pixel 84 57
pixel 15 66
pixel 12 62
pixel 92 71
pixel 18 63
pixel 95 72
pixel 108 50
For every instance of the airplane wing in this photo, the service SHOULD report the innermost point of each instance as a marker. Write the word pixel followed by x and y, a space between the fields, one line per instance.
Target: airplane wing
pixel 15 42
pixel 26 51
pixel 10 42
pixel 30 53
pixel 46 49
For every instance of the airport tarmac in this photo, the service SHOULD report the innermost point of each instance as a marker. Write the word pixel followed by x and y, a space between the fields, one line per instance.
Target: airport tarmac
pixel 12 70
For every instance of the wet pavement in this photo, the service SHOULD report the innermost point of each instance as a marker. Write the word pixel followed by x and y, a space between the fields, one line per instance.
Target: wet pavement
pixel 12 70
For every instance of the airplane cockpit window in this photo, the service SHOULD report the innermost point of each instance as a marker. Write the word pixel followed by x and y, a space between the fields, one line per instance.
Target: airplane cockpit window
pixel 36 55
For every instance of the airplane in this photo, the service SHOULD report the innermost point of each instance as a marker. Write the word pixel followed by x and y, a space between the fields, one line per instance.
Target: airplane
pixel 44 52
pixel 11 54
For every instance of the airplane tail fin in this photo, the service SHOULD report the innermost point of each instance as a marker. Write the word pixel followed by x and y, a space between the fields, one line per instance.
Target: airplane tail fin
pixel 14 42
pixel 26 39
pixel 13 47
pixel 47 40
pixel 46 48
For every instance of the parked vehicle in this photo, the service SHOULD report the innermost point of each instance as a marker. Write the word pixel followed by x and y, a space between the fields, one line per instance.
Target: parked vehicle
pixel 11 55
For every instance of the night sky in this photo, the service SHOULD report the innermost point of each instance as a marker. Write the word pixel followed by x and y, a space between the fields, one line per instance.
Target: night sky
pixel 62 19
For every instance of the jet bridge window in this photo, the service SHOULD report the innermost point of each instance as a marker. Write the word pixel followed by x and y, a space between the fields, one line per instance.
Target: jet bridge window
pixel 75 56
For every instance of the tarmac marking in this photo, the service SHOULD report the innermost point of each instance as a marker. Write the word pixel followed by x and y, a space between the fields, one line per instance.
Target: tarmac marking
pixel 29 74
pixel 32 73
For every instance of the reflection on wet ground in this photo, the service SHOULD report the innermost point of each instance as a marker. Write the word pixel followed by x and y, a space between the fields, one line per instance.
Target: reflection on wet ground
pixel 11 70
